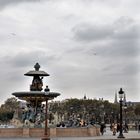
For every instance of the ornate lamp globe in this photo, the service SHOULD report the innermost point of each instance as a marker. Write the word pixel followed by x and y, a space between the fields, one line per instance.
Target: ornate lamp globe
pixel 121 94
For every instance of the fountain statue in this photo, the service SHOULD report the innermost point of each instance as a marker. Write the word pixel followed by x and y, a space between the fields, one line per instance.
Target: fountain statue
pixel 35 112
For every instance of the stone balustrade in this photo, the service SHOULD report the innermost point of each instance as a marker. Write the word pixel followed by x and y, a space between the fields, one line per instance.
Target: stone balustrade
pixel 54 132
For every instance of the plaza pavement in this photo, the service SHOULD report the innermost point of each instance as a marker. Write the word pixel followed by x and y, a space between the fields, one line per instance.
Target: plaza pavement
pixel 131 135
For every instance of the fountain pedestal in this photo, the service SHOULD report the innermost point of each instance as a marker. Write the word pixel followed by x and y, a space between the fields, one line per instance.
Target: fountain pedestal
pixel 35 97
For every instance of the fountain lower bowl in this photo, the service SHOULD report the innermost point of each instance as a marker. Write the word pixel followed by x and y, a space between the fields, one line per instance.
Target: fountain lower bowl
pixel 35 95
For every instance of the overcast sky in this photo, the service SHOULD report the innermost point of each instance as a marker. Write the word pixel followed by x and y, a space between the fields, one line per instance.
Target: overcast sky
pixel 87 46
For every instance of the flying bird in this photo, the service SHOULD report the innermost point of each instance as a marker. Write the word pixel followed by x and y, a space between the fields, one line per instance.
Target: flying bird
pixel 13 34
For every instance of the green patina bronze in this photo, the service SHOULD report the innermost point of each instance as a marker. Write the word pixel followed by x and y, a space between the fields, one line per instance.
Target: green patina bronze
pixel 34 111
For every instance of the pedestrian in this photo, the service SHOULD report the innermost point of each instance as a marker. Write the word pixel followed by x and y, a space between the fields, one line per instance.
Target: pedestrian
pixel 102 128
pixel 126 128
pixel 136 126
pixel 114 128
pixel 111 127
pixel 139 128
pixel 118 127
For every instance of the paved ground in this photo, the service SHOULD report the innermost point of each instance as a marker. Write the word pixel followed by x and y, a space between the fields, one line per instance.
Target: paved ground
pixel 107 136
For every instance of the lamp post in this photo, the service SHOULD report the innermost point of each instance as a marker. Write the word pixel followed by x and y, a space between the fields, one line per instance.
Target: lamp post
pixel 125 108
pixel 121 95
pixel 103 113
pixel 46 134
pixel 112 117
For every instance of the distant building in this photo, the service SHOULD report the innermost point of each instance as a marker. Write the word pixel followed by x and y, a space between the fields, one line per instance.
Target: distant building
pixel 85 97
pixel 124 99
pixel 133 104
pixel 101 99
pixel 128 103
pixel 115 100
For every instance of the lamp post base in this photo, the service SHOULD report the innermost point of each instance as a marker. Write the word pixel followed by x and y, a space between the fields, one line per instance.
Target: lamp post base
pixel 125 131
pixel 45 138
pixel 121 136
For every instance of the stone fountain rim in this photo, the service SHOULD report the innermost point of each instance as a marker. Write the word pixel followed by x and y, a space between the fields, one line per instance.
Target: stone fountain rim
pixel 36 94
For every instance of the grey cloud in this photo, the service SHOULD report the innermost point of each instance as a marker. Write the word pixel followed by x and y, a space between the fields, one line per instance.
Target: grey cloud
pixel 127 69
pixel 119 49
pixel 13 68
pixel 130 34
pixel 123 28
pixel 131 69
pixel 27 59
pixel 116 50
pixel 127 48
pixel 90 33
pixel 118 41
pixel 4 3
pixel 124 21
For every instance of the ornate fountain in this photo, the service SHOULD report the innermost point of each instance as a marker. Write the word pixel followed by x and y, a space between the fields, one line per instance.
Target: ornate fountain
pixel 34 111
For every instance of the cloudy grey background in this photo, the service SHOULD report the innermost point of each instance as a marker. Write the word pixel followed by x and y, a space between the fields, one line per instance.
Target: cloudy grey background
pixel 87 46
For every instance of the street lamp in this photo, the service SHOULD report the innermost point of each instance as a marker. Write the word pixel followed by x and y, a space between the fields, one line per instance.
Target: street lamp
pixel 46 134
pixel 125 108
pixel 103 113
pixel 121 96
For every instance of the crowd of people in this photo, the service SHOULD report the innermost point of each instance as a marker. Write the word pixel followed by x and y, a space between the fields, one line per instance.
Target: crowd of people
pixel 114 127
